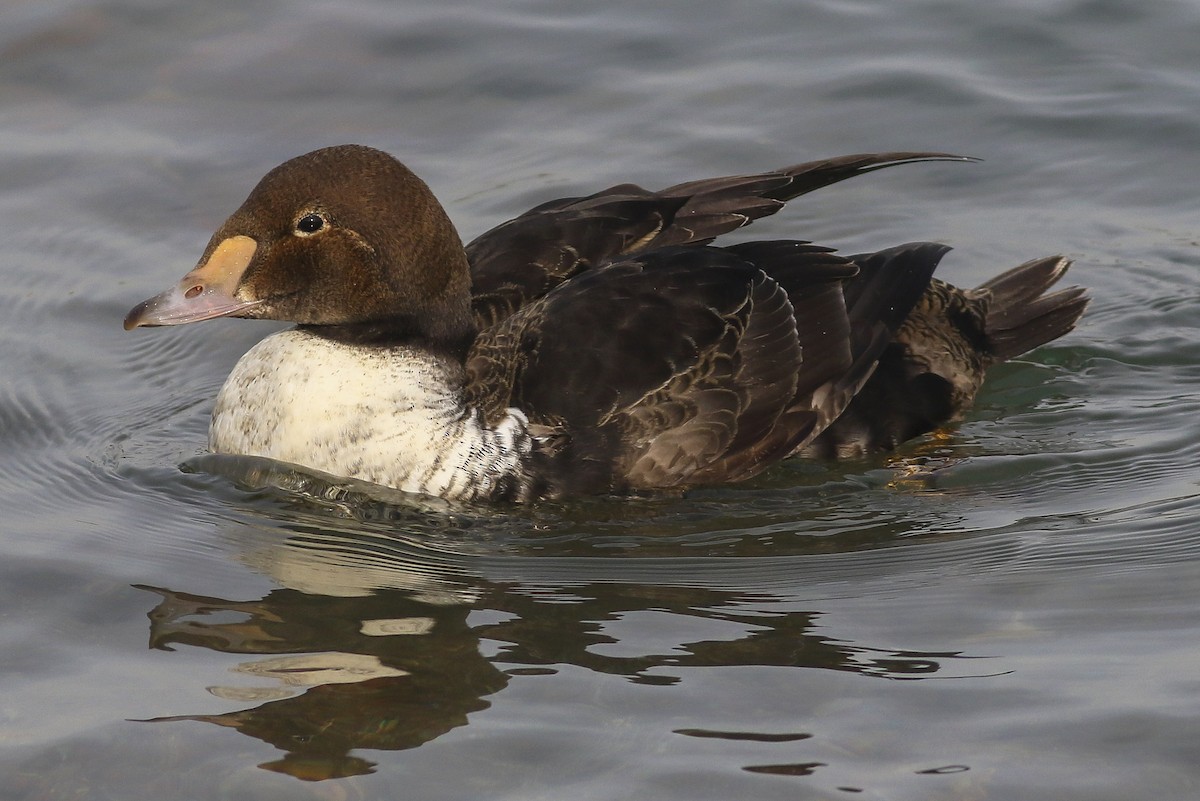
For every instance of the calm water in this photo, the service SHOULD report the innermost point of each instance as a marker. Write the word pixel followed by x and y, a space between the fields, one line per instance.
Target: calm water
pixel 1010 610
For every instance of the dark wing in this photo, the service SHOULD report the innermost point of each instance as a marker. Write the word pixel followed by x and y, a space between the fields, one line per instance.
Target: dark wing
pixel 692 365
pixel 845 327
pixel 523 259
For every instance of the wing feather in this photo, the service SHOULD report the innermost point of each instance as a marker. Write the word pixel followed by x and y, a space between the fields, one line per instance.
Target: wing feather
pixel 521 260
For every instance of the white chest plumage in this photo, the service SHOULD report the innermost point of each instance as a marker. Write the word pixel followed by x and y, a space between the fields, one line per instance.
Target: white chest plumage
pixel 392 416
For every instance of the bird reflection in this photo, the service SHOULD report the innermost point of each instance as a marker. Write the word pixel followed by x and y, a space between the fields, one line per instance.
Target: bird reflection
pixel 370 648
pixel 381 671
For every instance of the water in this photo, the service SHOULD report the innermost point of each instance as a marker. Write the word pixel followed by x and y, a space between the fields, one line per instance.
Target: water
pixel 1005 611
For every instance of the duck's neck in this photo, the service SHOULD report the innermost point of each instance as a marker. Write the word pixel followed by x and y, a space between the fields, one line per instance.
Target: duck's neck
pixel 394 415
pixel 451 337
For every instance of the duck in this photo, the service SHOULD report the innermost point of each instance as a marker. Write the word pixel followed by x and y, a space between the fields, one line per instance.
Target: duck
pixel 593 345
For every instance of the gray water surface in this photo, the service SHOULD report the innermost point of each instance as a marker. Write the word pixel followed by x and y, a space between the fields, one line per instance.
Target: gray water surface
pixel 1007 610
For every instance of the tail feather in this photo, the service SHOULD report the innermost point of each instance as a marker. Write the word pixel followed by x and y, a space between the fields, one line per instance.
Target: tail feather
pixel 1021 317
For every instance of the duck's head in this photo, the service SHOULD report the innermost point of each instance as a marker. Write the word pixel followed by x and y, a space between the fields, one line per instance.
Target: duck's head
pixel 345 237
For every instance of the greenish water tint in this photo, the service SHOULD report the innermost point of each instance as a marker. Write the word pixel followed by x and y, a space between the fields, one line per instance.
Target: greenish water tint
pixel 1007 610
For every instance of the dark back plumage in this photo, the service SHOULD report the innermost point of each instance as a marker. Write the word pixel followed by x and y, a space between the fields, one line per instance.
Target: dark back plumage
pixel 647 358
pixel 522 259
pixel 679 365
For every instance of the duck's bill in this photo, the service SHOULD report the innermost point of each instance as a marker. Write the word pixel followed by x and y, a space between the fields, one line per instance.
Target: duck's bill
pixel 204 293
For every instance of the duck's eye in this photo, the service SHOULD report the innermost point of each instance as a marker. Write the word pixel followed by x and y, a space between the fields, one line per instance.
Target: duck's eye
pixel 310 224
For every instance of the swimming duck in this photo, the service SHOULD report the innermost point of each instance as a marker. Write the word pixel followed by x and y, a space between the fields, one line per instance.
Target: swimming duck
pixel 594 344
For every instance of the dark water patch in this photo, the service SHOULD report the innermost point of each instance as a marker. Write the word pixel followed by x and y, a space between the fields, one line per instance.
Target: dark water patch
pixel 795 769
pixel 757 737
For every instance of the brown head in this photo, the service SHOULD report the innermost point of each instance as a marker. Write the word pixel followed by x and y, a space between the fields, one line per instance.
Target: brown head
pixel 344 237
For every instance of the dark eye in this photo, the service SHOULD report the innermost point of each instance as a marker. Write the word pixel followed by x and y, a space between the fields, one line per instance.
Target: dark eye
pixel 310 223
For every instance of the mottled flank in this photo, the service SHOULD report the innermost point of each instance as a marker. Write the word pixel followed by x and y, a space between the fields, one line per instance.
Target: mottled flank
pixel 592 345
pixel 931 371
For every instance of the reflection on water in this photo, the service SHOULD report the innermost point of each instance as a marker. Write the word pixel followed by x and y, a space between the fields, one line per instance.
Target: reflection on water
pixel 390 669
pixel 380 672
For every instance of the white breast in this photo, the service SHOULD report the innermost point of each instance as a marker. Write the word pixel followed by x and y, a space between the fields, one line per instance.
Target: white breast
pixel 393 416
